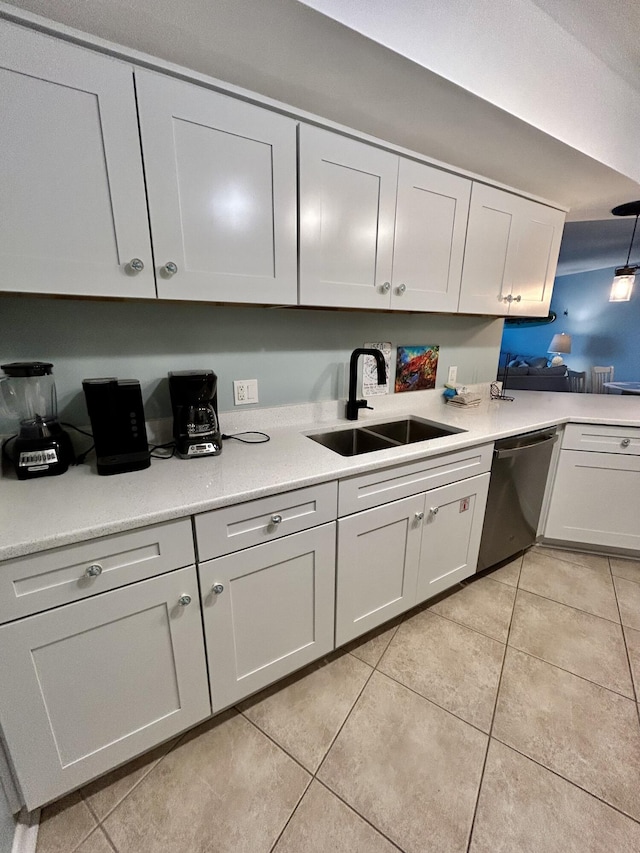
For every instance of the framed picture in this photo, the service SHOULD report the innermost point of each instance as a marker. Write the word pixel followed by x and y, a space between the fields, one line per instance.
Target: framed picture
pixel 416 368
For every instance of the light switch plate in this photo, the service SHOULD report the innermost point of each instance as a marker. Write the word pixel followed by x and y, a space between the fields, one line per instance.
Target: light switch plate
pixel 452 378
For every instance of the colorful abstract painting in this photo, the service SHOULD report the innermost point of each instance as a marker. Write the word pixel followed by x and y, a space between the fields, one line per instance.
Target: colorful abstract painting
pixel 416 368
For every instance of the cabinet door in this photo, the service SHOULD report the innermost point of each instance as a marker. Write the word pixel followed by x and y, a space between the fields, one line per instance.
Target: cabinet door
pixel 595 500
pixel 431 224
pixel 268 611
pixel 536 249
pixel 88 686
pixel 378 552
pixel 451 534
pixel 221 180
pixel 347 213
pixel 72 201
pixel 487 269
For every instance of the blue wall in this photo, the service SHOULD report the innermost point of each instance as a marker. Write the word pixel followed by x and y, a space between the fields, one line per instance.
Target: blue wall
pixel 602 332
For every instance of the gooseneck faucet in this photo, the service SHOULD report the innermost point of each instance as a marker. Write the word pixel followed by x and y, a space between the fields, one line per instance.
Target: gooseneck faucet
pixel 354 405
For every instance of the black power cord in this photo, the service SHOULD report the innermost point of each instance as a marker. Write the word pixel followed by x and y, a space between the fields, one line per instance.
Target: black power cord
pixel 264 437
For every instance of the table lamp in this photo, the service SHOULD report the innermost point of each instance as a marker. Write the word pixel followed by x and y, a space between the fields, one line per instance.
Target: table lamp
pixel 560 343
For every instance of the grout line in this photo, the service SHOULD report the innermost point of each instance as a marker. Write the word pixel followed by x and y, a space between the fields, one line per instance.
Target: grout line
pixel 361 816
pixel 493 718
pixel 582 610
pixel 433 702
pixel 344 722
pixel 626 647
pixel 482 633
pixel 565 779
pixel 275 743
pixel 290 818
pixel 108 837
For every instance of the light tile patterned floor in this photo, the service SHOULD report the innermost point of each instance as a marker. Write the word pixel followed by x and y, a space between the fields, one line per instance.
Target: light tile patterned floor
pixel 502 718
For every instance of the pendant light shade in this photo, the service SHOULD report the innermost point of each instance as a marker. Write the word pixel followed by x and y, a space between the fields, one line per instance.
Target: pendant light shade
pixel 622 284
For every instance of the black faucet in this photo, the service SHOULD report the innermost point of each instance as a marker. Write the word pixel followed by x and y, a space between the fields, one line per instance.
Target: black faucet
pixel 354 405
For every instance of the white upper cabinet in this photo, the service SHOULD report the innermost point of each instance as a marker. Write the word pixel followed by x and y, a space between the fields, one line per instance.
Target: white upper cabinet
pixel 221 183
pixel 377 230
pixel 347 212
pixel 72 201
pixel 431 223
pixel 511 254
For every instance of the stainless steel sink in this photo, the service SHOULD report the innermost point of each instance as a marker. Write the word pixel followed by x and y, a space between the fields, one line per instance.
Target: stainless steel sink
pixel 412 429
pixel 353 442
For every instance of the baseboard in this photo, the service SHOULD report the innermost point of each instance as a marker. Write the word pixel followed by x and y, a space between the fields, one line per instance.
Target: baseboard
pixel 26 834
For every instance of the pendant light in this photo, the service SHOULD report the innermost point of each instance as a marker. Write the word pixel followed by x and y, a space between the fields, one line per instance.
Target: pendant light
pixel 622 284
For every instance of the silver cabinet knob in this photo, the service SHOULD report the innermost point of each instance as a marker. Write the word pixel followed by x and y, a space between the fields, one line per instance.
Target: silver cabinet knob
pixel 170 268
pixel 400 289
pixel 184 600
pixel 625 442
pixel 386 287
pixel 508 298
pixel 217 588
pixel 94 570
pixel 276 519
pixel 135 265
pixel 419 516
pixel 517 298
pixel 434 510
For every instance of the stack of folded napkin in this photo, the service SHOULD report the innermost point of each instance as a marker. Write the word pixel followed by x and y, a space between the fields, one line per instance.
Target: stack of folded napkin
pixel 466 399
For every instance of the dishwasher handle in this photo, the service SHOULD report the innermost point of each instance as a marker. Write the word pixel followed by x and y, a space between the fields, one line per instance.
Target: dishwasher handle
pixel 514 451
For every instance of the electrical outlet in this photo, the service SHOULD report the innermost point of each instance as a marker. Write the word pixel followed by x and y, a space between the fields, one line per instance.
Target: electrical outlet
pixel 245 391
pixel 453 376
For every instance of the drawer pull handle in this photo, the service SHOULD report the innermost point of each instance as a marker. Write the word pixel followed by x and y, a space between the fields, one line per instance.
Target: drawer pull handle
pixel 434 510
pixel 401 289
pixel 135 265
pixel 94 570
pixel 276 519
pixel 170 268
pixel 184 600
pixel 419 516
pixel 217 588
pixel 625 442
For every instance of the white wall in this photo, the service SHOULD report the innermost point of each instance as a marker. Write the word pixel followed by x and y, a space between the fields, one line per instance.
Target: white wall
pixel 296 355
pixel 512 54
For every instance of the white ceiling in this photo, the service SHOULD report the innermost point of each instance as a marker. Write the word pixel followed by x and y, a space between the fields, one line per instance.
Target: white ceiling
pixel 288 51
pixel 608 28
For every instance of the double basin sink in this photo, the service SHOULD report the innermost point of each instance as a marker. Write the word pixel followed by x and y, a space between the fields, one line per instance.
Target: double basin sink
pixel 366 439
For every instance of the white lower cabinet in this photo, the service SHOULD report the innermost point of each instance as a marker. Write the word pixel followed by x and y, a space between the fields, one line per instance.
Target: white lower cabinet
pixel 595 500
pixel 399 554
pixel 268 610
pixel 451 534
pixel 87 686
pixel 378 555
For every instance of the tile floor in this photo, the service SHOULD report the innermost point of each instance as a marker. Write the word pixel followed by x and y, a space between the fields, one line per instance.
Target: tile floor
pixel 502 717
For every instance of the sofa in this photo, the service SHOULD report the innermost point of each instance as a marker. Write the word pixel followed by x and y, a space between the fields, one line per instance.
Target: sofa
pixel 532 373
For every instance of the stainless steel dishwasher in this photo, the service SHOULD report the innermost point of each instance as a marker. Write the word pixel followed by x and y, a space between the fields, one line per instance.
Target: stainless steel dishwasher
pixel 516 490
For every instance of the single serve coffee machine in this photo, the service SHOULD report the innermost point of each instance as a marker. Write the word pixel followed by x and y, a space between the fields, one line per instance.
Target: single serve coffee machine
pixel 194 399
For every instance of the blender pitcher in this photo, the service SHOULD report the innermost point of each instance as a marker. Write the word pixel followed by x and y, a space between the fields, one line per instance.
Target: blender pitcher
pixel 28 394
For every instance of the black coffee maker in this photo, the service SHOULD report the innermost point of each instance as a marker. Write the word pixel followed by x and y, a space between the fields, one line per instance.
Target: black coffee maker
pixel 194 399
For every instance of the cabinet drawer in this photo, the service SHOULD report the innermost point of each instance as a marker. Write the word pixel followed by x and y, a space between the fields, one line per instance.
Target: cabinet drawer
pixel 40 581
pixel 223 531
pixel 368 490
pixel 602 439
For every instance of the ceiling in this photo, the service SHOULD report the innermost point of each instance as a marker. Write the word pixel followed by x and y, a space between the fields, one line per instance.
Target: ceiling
pixel 287 51
pixel 610 30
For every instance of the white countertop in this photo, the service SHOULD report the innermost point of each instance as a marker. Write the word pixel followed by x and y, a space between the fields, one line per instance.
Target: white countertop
pixel 54 511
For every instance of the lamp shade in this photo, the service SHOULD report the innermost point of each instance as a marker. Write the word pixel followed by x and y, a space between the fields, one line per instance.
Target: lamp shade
pixel 560 343
pixel 622 284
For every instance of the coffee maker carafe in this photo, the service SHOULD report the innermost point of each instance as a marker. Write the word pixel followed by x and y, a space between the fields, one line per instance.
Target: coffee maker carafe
pixel 194 399
pixel 41 448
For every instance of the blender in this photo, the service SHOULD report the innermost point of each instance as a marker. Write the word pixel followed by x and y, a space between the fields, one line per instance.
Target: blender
pixel 27 392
